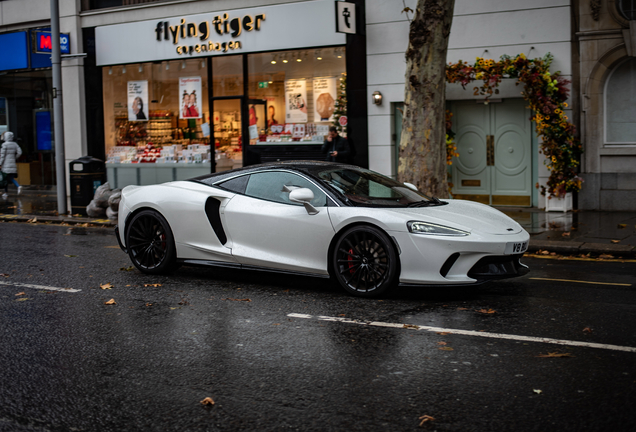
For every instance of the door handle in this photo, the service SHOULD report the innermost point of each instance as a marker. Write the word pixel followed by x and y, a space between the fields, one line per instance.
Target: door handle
pixel 490 150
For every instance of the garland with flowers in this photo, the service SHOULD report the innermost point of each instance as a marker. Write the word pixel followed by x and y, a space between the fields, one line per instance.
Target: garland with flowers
pixel 546 94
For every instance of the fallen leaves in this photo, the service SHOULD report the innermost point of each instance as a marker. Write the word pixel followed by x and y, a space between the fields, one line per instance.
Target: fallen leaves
pixel 605 256
pixel 70 256
pixel 555 355
pixel 110 302
pixel 487 311
pixel 587 330
pixel 22 299
pixel 34 220
pixel 207 401
pixel 425 418
pixel 233 299
pixel 153 285
pixel 565 234
pixel 127 268
pixel 106 286
pixel 410 326
pixel 4 275
pixel 537 391
pixel 445 348
pixel 20 294
pixel 622 226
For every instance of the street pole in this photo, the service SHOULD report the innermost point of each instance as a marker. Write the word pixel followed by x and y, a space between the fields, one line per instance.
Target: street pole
pixel 58 113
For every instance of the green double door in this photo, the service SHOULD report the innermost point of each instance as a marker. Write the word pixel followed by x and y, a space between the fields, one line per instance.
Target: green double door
pixel 494 143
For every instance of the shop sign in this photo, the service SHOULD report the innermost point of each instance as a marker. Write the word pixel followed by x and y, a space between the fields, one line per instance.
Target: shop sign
pixel 44 45
pixel 346 17
pixel 343 121
pixel 14 51
pixel 263 84
pixel 267 28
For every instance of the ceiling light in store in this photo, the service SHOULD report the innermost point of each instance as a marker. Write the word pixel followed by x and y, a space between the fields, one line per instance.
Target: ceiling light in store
pixel 274 59
pixel 318 56
pixel 299 59
pixel 124 70
pixel 285 59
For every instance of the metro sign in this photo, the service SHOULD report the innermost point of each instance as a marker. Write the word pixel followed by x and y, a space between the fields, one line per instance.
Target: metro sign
pixel 44 45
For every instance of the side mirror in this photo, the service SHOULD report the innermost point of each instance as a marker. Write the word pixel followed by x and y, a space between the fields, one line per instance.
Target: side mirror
pixel 411 186
pixel 303 196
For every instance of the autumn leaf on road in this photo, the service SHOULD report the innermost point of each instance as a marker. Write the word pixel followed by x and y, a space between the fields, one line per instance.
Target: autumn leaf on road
pixel 441 343
pixel 70 256
pixel 233 299
pixel 537 391
pixel 152 285
pixel 207 401
pixel 110 302
pixel 34 220
pixel 444 333
pixel 127 268
pixel 487 311
pixel 445 348
pixel 425 418
pixel 4 275
pixel 555 355
pixel 20 294
pixel 606 256
pixel 621 226
pixel 22 299
pixel 565 234
pixel 615 241
pixel 587 330
pixel 410 326
pixel 106 286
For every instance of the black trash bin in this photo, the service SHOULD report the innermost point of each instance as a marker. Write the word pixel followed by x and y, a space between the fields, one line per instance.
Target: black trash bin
pixel 87 174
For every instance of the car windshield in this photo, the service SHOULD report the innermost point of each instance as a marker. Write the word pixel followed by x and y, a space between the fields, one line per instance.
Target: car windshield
pixel 363 187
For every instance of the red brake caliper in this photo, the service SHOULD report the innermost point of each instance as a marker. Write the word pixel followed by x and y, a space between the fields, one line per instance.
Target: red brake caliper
pixel 350 259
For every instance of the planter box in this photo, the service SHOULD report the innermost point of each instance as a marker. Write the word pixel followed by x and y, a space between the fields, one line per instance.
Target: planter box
pixel 559 204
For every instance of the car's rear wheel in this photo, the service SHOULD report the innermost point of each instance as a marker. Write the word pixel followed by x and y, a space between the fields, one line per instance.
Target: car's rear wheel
pixel 150 243
pixel 364 261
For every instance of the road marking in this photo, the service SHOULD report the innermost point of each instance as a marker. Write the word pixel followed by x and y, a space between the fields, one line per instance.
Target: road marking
pixel 578 281
pixel 468 333
pixel 40 287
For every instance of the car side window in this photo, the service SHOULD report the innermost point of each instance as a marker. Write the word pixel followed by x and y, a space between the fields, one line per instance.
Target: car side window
pixel 237 184
pixel 269 186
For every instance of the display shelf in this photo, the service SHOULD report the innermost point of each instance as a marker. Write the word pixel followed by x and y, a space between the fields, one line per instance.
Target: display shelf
pixel 120 175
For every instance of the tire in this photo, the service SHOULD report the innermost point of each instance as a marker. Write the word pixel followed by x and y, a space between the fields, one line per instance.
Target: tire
pixel 364 261
pixel 150 243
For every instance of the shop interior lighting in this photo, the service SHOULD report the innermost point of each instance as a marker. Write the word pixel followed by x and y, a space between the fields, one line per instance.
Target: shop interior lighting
pixel 285 58
pixel 274 59
pixel 168 66
pixel 318 56
pixel 110 70
pixel 377 98
pixel 183 64
pixel 141 68
pixel 124 69
pixel 338 53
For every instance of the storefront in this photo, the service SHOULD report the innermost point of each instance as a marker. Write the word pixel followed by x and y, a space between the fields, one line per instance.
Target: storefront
pixel 26 101
pixel 188 95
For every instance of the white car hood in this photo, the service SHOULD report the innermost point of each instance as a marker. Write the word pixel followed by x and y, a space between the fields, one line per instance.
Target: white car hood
pixel 467 215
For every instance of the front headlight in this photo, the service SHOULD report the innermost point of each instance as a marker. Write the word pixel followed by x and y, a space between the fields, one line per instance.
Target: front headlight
pixel 417 227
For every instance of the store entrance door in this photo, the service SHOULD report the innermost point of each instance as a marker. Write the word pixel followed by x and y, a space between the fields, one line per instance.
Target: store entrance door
pixel 227 132
pixel 494 143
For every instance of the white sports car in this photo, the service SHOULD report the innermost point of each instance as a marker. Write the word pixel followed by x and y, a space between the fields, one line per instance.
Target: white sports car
pixel 365 230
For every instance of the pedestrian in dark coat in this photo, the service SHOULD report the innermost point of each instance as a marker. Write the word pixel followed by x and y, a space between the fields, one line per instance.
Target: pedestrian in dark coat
pixel 336 147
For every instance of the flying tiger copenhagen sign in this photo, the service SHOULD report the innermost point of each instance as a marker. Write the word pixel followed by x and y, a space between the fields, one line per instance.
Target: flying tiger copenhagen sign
pixel 269 28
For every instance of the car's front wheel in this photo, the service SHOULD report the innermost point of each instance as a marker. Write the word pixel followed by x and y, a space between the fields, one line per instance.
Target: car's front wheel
pixel 364 261
pixel 150 243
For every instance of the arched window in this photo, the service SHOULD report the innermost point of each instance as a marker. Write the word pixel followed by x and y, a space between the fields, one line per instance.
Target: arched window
pixel 620 104
pixel 627 8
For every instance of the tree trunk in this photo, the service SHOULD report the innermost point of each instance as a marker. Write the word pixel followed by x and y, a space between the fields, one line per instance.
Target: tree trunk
pixel 423 142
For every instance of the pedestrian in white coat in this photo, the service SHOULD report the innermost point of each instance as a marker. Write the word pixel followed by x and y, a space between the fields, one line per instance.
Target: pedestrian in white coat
pixel 9 153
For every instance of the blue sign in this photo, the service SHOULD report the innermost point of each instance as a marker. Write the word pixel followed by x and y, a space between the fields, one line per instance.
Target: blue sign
pixel 15 50
pixel 43 42
pixel 43 130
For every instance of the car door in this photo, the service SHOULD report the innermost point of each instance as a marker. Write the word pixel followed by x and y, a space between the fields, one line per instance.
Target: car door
pixel 268 230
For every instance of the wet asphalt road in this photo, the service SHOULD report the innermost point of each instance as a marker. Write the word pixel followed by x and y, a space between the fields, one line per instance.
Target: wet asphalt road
pixel 68 362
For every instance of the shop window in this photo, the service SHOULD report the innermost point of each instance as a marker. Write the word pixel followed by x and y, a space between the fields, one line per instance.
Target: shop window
pixel 293 94
pixel 101 4
pixel 157 112
pixel 620 111
pixel 228 76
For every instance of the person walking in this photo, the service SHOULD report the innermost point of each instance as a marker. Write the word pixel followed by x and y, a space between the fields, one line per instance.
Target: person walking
pixel 9 153
pixel 336 147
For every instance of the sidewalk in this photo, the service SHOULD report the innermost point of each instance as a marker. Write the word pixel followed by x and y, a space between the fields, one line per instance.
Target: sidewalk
pixel 573 233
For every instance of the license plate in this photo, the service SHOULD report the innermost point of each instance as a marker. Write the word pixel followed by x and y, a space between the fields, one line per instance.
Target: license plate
pixel 516 248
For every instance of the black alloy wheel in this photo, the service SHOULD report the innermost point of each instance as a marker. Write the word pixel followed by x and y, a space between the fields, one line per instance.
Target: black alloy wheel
pixel 364 261
pixel 150 243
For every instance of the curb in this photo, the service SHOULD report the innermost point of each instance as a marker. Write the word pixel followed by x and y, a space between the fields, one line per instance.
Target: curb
pixel 58 220
pixel 576 248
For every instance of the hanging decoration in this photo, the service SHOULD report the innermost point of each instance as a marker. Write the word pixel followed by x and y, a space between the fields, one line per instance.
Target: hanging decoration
pixel 546 94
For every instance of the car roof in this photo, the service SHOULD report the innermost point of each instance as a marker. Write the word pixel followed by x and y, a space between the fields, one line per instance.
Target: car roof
pixel 308 167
